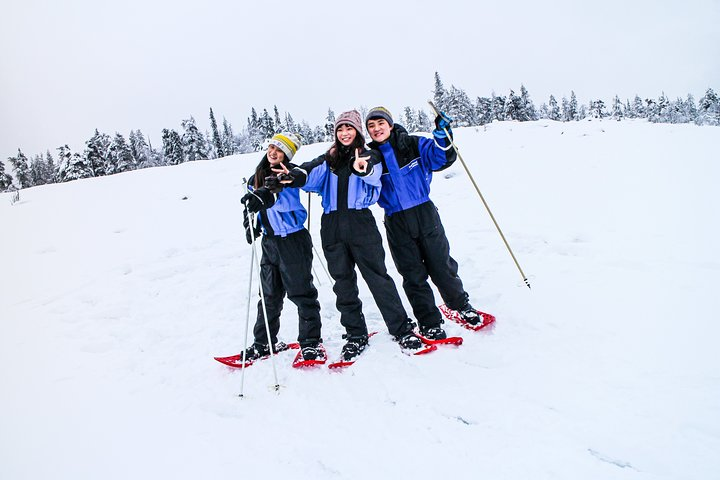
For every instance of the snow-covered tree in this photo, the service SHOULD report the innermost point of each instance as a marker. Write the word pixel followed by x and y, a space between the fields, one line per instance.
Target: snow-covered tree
pixel 498 107
pixel 329 134
pixel 267 125
pixel 597 109
pixel 514 107
pixel 97 153
pixel 254 133
pixel 528 112
pixel 72 166
pixel 423 121
pixel 277 119
pixel 458 105
pixel 709 109
pixel 193 141
pixel 121 158
pixel 440 94
pixel 572 111
pixel 483 110
pixel 617 109
pixel 289 124
pixel 5 179
pixel 172 147
pixel 409 120
pixel 21 170
pixel 217 142
pixel 554 109
pixel 142 155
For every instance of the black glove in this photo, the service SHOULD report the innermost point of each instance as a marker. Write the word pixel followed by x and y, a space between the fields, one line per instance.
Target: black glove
pixel 273 184
pixel 442 123
pixel 249 231
pixel 258 199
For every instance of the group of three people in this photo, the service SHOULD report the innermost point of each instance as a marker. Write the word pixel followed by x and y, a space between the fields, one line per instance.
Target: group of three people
pixel 395 171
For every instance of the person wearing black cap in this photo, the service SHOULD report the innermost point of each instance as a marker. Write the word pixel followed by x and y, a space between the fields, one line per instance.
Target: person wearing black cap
pixel 415 234
pixel 348 180
pixel 286 263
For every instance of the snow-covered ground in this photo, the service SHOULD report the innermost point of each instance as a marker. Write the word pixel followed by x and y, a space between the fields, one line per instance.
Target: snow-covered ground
pixel 117 292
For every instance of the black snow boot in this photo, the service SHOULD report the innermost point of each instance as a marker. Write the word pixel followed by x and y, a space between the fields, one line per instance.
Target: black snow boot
pixel 354 347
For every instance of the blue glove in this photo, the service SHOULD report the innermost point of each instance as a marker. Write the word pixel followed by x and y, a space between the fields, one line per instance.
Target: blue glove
pixel 442 123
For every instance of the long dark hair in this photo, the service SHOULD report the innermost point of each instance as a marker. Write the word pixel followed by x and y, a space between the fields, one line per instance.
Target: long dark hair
pixel 263 170
pixel 340 155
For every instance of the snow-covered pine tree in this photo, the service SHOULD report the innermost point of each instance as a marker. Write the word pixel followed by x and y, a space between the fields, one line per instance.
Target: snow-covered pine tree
pixel 72 166
pixel 320 134
pixel 5 179
pixel 254 133
pixel 193 141
pixel 498 107
pixel 21 170
pixel 50 168
pixel 528 108
pixel 597 109
pixel 172 147
pixel 617 109
pixel 329 129
pixel 638 108
pixel 423 121
pixel 97 152
pixel 277 120
pixel 440 94
pixel 572 112
pixel 459 107
pixel 306 132
pixel 565 110
pixel 142 155
pixel 216 136
pixel 409 120
pixel 37 170
pixel 513 107
pixel 121 156
pixel 483 110
pixel 709 109
pixel 627 110
pixel 690 109
pixel 651 110
pixel 289 124
pixel 267 126
pixel 554 109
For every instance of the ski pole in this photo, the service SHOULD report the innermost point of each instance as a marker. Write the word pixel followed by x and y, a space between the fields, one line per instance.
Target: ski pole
pixel 315 275
pixel 492 217
pixel 256 257
pixel 247 325
pixel 262 301
pixel 317 255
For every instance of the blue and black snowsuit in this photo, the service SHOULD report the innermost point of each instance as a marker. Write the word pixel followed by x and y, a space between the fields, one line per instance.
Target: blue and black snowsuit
pixel 415 234
pixel 350 237
pixel 286 267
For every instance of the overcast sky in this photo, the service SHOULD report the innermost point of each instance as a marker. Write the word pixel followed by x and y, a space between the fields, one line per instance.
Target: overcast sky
pixel 68 67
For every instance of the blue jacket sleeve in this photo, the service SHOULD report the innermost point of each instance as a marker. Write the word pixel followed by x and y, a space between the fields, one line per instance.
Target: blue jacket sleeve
pixel 436 153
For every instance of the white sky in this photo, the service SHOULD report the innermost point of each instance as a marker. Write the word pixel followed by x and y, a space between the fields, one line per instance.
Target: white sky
pixel 70 66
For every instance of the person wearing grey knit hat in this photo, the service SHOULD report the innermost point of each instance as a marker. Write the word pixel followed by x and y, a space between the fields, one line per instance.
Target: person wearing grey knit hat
pixel 379 112
pixel 416 237
pixel 351 118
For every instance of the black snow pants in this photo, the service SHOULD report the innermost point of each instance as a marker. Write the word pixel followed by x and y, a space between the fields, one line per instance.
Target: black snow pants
pixel 286 267
pixel 349 238
pixel 419 247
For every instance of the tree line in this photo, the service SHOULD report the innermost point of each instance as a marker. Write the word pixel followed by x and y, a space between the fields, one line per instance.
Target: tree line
pixel 107 155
